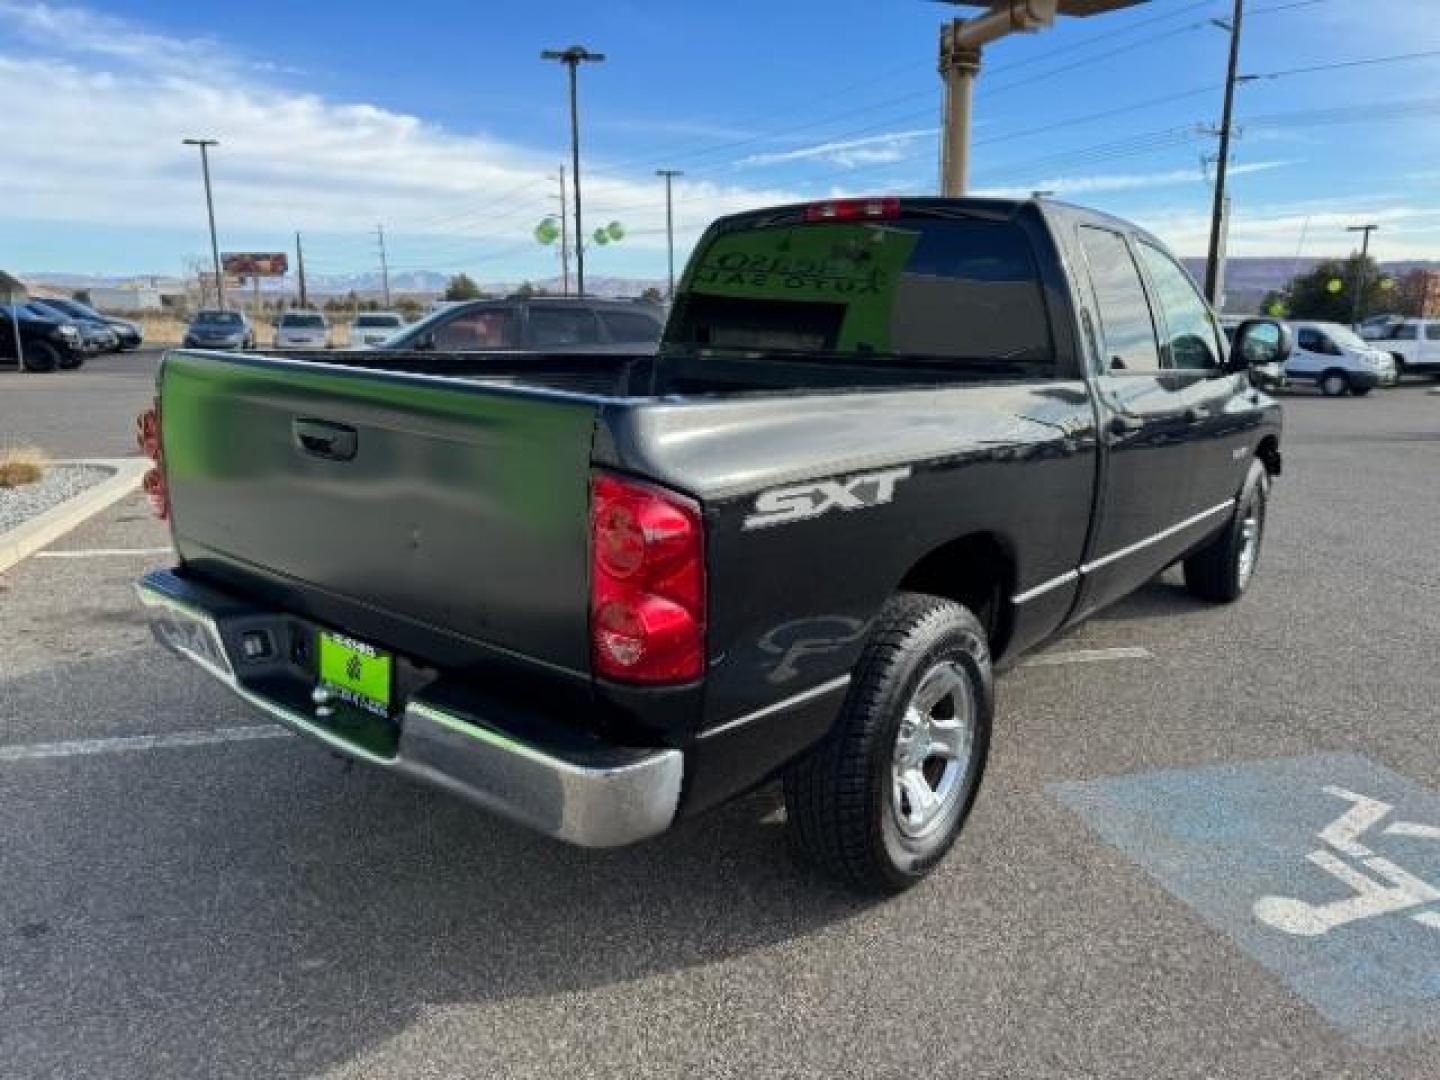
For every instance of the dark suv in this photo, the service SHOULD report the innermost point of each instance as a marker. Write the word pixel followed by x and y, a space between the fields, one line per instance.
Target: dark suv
pixel 47 340
pixel 548 324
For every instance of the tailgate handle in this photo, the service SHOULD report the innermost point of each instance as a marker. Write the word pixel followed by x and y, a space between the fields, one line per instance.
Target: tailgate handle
pixel 324 439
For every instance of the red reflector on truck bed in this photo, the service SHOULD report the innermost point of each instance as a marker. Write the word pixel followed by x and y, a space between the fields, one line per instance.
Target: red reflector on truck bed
pixel 647 583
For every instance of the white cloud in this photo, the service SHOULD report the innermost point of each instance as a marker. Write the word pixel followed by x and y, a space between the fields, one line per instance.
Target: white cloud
pixel 1113 182
pixel 94 136
pixel 1310 228
pixel 848 153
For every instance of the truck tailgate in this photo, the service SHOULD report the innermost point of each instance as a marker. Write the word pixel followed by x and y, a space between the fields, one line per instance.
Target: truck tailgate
pixel 442 518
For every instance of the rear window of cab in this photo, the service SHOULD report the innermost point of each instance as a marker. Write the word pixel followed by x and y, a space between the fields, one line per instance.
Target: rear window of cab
pixel 962 291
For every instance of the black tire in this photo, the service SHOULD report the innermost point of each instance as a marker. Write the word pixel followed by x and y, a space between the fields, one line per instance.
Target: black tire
pixel 1399 366
pixel 1217 571
pixel 71 361
pixel 843 800
pixel 41 356
pixel 1334 383
pixel 1360 391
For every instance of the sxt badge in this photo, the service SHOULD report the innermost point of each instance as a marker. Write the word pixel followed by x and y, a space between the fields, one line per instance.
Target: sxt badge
pixel 781 506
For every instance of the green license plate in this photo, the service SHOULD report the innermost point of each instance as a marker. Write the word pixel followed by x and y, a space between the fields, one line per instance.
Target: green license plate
pixel 355 672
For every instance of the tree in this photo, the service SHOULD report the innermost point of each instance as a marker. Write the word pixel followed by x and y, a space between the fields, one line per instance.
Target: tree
pixel 462 287
pixel 525 290
pixel 410 308
pixel 82 296
pixel 652 295
pixel 1327 293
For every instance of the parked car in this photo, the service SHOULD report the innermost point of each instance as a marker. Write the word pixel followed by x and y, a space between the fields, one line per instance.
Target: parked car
pixel 220 330
pixel 550 324
pixel 302 330
pixel 1377 326
pixel 95 333
pixel 46 341
pixel 374 328
pixel 1337 360
pixel 1414 343
pixel 885 444
pixel 129 335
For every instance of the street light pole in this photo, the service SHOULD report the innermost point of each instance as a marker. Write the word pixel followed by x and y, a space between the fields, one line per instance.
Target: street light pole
pixel 204 145
pixel 1360 270
pixel 1222 167
pixel 572 58
pixel 669 175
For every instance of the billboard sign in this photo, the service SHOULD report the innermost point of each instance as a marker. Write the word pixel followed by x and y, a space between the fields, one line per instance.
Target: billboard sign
pixel 249 264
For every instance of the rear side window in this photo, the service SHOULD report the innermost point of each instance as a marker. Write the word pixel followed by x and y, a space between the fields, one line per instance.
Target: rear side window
pixel 1432 332
pixel 562 326
pixel 1191 343
pixel 1125 320
pixel 963 292
pixel 630 326
pixel 470 331
pixel 1405 332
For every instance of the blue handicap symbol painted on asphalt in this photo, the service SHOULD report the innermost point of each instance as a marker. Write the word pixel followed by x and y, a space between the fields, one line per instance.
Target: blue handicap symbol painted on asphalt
pixel 1325 869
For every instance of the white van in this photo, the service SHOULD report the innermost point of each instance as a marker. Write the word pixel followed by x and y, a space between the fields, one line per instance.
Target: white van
pixel 1414 343
pixel 1337 360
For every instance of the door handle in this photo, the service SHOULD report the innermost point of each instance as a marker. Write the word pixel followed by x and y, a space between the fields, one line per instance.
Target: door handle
pixel 324 439
pixel 1124 425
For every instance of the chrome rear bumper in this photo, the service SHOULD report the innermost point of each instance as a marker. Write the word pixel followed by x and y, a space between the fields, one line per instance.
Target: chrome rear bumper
pixel 597 796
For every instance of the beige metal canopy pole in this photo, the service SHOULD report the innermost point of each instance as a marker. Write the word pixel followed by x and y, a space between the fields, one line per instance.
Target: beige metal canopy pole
pixel 960 44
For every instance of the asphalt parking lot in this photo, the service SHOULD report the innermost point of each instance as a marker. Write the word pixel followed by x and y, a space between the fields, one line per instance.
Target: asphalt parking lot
pixel 185 895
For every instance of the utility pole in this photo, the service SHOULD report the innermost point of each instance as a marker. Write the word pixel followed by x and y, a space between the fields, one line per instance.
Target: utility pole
pixel 669 175
pixel 1222 166
pixel 572 58
pixel 300 267
pixel 564 237
pixel 204 145
pixel 1360 270
pixel 384 265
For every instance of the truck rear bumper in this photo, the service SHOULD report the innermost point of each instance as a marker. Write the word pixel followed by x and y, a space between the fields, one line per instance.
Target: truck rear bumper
pixel 576 789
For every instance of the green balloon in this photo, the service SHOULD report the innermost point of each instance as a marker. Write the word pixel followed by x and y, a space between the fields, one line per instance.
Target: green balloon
pixel 1334 285
pixel 548 231
pixel 1277 310
pixel 616 230
pixel 602 237
pixel 1387 283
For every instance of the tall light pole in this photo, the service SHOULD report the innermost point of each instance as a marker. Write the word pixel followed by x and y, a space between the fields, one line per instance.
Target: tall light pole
pixel 572 58
pixel 960 44
pixel 1222 166
pixel 204 145
pixel 669 175
pixel 1360 269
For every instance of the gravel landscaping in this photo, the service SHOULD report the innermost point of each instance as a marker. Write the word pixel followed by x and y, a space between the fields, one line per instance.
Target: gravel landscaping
pixel 19 505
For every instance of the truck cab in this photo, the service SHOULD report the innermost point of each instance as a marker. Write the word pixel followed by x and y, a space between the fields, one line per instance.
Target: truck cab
pixel 1414 343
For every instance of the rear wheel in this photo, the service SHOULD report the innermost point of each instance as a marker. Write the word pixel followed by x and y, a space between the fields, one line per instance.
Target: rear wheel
pixel 41 356
pixel 880 801
pixel 70 361
pixel 1334 384
pixel 1360 391
pixel 1223 569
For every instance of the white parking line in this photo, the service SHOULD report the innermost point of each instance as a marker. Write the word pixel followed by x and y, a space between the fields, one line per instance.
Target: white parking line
pixel 125 744
pixel 1089 656
pixel 96 553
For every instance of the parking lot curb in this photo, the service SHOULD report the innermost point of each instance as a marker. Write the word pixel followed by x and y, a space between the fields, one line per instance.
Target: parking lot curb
pixel 41 531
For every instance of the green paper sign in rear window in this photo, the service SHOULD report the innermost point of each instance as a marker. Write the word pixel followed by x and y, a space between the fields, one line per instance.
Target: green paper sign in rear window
pixel 944 289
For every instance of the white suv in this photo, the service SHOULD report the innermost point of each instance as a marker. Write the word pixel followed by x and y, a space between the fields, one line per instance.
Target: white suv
pixel 1337 360
pixel 302 330
pixel 1414 343
pixel 374 328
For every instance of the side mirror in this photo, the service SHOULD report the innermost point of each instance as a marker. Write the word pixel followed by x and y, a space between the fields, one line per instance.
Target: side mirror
pixel 1259 343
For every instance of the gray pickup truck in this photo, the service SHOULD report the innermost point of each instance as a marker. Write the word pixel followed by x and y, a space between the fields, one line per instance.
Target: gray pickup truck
pixel 885 446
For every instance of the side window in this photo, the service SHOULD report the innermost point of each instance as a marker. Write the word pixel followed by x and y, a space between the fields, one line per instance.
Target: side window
pixel 477 329
pixel 630 326
pixel 1432 332
pixel 1405 332
pixel 1191 343
pixel 551 326
pixel 1309 340
pixel 1127 326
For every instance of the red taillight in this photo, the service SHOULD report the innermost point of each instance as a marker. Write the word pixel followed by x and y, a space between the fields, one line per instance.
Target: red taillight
pixel 148 437
pixel 647 583
pixel 879 209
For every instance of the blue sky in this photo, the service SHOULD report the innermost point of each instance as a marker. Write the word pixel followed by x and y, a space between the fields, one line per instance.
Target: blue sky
pixel 438 118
